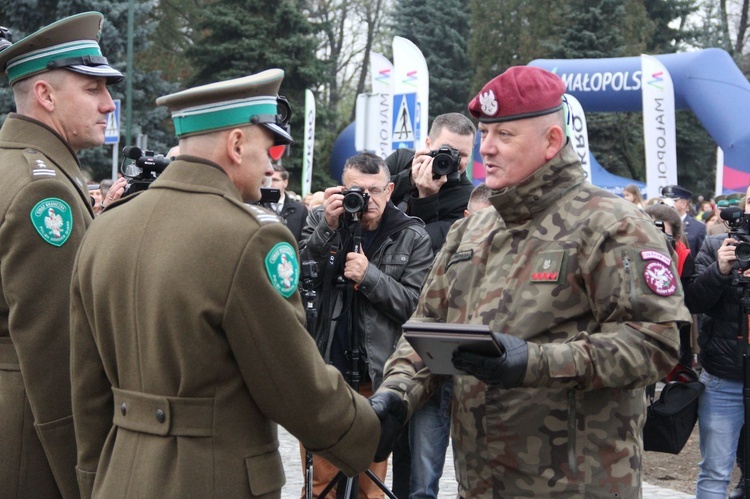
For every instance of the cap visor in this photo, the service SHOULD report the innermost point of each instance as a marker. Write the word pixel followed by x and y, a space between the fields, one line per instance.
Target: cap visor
pixel 281 135
pixel 103 71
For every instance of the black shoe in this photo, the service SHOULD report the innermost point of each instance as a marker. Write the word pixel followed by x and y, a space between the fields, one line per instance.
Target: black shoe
pixel 739 490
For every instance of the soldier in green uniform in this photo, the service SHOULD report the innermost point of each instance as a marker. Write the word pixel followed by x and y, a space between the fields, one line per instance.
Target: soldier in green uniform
pixel 59 78
pixel 186 357
pixel 581 291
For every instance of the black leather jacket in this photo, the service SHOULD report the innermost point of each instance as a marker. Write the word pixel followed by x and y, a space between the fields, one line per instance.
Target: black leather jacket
pixel 717 296
pixel 400 257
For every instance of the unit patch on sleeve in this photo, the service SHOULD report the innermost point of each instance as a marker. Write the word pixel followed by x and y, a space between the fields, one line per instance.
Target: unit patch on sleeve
pixel 53 220
pixel 283 269
pixel 657 273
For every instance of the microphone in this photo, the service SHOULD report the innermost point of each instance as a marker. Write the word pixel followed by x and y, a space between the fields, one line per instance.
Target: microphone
pixel 731 214
pixel 132 152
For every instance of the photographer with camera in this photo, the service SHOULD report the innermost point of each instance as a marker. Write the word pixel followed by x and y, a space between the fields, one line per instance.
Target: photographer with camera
pixel 722 266
pixel 431 183
pixel 372 259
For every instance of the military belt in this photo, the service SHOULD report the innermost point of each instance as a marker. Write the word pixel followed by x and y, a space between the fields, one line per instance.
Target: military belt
pixel 164 416
pixel 8 355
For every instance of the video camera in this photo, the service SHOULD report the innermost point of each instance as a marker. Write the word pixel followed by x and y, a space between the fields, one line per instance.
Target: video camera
pixel 145 168
pixel 6 38
pixel 446 162
pixel 738 223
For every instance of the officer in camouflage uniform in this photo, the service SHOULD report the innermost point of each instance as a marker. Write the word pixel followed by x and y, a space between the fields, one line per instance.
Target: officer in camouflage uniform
pixel 579 289
pixel 59 78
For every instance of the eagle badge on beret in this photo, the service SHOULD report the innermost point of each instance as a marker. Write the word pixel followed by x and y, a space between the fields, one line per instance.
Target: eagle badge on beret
pixel 488 103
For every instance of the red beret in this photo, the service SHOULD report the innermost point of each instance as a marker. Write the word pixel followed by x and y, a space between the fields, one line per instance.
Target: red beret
pixel 520 92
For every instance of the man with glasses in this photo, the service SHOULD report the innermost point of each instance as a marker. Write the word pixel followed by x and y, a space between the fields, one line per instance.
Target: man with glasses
pixel 371 263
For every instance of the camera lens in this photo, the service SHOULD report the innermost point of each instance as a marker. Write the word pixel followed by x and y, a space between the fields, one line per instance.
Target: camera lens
pixel 742 252
pixel 354 202
pixel 442 164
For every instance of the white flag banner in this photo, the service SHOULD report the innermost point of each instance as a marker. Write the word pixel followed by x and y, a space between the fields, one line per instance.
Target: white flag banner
pixel 658 126
pixel 309 144
pixel 578 133
pixel 412 94
pixel 381 78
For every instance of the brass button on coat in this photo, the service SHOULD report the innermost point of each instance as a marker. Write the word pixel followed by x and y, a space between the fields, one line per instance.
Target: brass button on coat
pixel 160 416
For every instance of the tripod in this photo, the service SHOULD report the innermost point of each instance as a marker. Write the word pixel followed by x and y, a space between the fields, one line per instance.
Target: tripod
pixel 350 312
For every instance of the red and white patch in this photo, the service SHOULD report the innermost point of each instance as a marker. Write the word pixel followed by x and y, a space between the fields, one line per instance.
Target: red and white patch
pixel 659 278
pixel 655 255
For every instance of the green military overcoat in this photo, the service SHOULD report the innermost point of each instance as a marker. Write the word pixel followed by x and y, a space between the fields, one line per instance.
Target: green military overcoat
pixel 189 346
pixel 44 212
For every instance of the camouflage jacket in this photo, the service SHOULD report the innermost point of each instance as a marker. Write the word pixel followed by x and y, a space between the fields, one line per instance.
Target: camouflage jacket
pixel 587 279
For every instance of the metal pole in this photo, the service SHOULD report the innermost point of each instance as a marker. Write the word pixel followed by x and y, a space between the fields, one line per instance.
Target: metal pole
pixel 129 80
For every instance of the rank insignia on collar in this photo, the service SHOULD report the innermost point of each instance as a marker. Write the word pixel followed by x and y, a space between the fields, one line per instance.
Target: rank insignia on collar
pixel 547 266
pixel 283 269
pixel 53 220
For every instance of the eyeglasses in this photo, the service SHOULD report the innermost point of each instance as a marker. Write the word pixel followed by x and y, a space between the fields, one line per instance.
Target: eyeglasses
pixel 373 191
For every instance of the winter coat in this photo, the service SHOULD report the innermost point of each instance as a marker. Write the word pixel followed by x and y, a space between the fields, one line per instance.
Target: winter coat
pixel 587 280
pixel 717 297
pixel 45 209
pixel 188 348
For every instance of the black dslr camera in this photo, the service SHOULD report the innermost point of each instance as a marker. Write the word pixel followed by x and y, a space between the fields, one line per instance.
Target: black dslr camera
pixel 738 224
pixel 446 162
pixel 145 167
pixel 355 201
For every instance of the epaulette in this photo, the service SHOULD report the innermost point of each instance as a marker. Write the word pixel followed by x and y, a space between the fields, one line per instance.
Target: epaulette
pixel 37 165
pixel 263 215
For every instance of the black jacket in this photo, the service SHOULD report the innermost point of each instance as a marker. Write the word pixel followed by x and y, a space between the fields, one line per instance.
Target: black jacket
pixel 695 231
pixel 717 296
pixel 400 257
pixel 438 211
pixel 294 214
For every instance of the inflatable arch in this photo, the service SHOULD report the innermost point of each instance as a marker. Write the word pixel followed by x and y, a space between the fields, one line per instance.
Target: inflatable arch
pixel 707 81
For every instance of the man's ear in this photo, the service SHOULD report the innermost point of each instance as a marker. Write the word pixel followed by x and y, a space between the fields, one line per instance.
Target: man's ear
pixel 44 95
pixel 235 145
pixel 555 141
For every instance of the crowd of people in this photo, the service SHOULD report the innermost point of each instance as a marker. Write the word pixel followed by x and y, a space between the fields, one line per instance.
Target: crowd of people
pixel 152 343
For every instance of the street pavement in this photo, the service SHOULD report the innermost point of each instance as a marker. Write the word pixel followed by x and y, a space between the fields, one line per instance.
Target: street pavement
pixel 289 448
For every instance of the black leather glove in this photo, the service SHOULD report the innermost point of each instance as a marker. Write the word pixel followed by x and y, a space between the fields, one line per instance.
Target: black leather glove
pixel 391 411
pixel 506 370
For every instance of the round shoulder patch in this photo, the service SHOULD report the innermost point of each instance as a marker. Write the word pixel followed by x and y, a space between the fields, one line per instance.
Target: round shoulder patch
pixel 283 269
pixel 659 278
pixel 53 220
